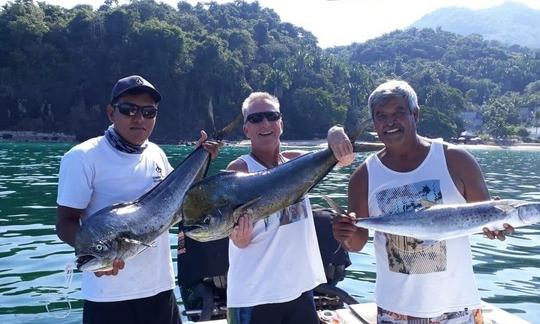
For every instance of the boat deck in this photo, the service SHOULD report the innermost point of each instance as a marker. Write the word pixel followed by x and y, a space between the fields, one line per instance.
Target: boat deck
pixel 367 314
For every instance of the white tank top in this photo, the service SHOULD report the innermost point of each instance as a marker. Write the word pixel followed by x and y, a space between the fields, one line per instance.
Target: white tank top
pixel 415 278
pixel 282 260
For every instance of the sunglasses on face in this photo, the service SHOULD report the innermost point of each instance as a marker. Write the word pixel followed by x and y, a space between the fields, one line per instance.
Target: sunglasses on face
pixel 130 109
pixel 256 118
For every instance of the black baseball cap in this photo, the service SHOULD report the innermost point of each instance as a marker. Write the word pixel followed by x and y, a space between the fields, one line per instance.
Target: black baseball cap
pixel 133 82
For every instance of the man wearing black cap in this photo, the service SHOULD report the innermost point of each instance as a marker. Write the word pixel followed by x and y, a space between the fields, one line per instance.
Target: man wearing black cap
pixel 119 167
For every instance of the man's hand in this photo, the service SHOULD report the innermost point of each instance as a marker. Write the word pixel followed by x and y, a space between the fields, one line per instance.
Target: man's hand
pixel 340 145
pixel 210 146
pixel 500 235
pixel 118 264
pixel 343 228
pixel 241 233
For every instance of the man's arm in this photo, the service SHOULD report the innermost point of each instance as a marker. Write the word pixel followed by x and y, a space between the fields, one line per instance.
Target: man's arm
pixel 469 180
pixel 67 223
pixel 351 236
pixel 467 175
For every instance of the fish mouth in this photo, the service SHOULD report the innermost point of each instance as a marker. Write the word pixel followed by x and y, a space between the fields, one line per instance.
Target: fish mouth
pixel 205 234
pixel 90 263
pixel 84 259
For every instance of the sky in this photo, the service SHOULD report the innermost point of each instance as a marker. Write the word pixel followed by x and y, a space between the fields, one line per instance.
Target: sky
pixel 342 22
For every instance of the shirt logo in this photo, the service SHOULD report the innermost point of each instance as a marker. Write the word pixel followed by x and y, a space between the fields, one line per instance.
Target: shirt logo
pixel 158 174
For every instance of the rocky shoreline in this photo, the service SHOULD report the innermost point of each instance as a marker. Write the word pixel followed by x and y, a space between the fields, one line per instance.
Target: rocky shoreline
pixel 30 136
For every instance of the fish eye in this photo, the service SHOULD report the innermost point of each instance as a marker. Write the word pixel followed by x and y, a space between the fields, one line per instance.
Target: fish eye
pixel 206 220
pixel 99 247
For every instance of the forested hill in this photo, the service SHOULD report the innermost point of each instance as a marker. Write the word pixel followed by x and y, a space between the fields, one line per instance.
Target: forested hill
pixel 57 67
pixel 510 23
pixel 453 73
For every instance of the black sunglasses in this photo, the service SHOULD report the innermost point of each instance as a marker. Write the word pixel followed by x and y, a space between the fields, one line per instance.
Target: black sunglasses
pixel 131 109
pixel 256 118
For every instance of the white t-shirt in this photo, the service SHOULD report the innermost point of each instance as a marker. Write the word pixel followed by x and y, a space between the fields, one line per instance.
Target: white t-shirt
pixel 282 260
pixel 415 278
pixel 94 175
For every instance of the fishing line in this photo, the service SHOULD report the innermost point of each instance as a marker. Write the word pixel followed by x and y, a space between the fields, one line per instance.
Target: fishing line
pixel 68 278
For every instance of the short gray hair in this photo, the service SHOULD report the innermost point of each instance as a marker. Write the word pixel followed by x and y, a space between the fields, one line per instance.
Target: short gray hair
pixel 393 89
pixel 258 96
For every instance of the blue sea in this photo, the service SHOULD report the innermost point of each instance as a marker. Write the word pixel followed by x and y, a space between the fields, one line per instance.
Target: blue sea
pixel 33 259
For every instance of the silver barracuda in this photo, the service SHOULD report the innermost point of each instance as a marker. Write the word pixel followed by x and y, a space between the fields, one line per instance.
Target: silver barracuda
pixel 442 222
pixel 212 206
pixel 124 230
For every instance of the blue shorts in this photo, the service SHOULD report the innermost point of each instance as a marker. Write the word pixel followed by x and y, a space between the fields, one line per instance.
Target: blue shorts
pixel 300 310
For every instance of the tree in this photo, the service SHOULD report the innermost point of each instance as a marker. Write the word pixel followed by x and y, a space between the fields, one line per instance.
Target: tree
pixel 499 115
pixel 435 123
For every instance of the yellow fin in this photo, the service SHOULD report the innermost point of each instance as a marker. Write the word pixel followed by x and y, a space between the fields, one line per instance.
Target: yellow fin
pixel 427 203
pixel 334 205
pixel 504 206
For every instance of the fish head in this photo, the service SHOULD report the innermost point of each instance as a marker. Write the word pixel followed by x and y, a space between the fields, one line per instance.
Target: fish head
pixel 529 212
pixel 98 244
pixel 96 256
pixel 207 208
pixel 210 228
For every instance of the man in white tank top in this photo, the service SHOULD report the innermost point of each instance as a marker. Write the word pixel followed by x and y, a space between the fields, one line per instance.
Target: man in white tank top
pixel 416 282
pixel 275 263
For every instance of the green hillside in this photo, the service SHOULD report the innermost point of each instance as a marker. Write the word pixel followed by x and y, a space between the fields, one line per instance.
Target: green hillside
pixel 57 66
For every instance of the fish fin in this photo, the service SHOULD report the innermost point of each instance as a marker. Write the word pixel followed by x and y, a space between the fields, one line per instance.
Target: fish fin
pixel 132 241
pixel 427 203
pixel 333 204
pixel 219 135
pixel 238 211
pixel 504 208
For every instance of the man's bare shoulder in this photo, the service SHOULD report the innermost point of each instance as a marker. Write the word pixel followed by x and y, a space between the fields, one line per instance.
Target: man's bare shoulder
pixel 293 154
pixel 360 175
pixel 238 165
pixel 456 155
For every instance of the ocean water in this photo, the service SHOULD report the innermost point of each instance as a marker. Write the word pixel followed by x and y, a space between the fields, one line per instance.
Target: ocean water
pixel 33 287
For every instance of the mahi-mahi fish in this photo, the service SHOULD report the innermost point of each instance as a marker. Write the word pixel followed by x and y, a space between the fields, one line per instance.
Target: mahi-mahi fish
pixel 211 207
pixel 442 222
pixel 124 230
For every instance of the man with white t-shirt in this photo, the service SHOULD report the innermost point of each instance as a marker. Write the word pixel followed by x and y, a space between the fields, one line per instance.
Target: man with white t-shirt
pixel 417 281
pixel 117 167
pixel 275 263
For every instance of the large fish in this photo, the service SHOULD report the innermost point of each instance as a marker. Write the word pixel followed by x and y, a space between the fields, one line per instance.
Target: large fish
pixel 212 206
pixel 124 230
pixel 442 222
